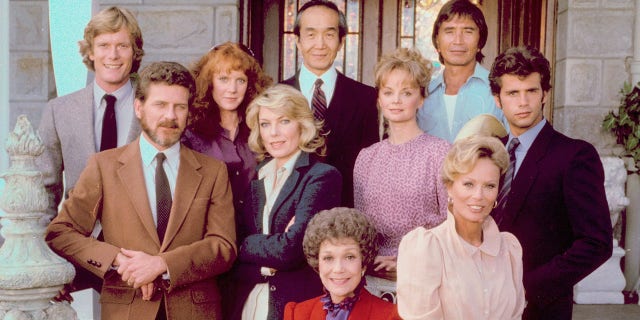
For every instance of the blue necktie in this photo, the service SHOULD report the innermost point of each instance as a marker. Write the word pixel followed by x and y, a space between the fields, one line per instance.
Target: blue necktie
pixel 508 178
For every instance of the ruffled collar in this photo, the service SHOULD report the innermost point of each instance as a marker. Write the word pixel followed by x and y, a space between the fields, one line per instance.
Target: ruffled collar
pixel 341 311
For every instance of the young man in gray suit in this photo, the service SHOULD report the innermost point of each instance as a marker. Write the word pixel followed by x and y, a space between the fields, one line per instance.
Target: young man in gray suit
pixel 98 117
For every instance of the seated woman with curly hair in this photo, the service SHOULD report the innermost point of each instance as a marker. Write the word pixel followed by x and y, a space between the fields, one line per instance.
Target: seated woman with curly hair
pixel 340 244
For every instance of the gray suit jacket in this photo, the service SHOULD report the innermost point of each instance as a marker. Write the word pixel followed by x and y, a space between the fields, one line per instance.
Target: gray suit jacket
pixel 66 129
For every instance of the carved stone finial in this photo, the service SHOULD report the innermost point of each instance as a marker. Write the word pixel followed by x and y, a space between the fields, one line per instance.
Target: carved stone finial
pixel 30 273
pixel 23 141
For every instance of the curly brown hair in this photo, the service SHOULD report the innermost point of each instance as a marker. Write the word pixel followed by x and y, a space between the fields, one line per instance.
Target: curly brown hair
pixel 340 223
pixel 226 57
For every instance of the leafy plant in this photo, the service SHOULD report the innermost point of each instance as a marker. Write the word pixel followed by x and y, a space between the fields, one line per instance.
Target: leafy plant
pixel 626 124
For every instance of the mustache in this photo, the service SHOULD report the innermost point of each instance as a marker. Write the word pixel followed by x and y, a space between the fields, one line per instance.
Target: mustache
pixel 171 124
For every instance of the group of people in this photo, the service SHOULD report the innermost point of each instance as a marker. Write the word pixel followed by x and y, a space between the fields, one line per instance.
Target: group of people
pixel 212 193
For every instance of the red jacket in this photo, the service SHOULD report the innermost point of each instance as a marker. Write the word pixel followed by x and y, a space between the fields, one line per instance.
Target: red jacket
pixel 368 307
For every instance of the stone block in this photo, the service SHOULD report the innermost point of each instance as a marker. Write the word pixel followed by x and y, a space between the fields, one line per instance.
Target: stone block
pixel 583 4
pixel 582 80
pixel 561 35
pixel 33 111
pixel 30 76
pixel 599 33
pixel 123 3
pixel 586 123
pixel 207 2
pixel 613 77
pixel 614 4
pixel 176 30
pixel 29 25
pixel 186 60
pixel 227 28
pixel 563 5
pixel 559 87
pixel 558 118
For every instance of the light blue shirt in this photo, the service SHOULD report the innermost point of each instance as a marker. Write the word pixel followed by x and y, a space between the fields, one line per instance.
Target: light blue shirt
pixel 171 164
pixel 307 80
pixel 526 140
pixel 473 98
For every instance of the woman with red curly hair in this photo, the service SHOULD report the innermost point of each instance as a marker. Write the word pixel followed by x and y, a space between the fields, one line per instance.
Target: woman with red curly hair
pixel 228 77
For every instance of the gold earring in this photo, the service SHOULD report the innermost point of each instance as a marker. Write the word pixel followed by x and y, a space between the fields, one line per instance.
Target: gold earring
pixel 495 204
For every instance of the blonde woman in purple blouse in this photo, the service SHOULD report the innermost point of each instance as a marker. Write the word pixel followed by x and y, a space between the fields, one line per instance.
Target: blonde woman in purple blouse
pixel 396 181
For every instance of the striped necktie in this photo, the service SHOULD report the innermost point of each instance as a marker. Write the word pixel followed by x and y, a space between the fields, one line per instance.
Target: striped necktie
pixel 319 101
pixel 508 177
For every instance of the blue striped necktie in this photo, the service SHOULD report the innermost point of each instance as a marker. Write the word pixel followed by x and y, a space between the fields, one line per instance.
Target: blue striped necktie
pixel 508 177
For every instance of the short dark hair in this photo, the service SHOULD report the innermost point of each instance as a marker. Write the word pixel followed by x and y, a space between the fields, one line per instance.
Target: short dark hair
pixel 342 20
pixel 340 223
pixel 166 72
pixel 461 8
pixel 520 61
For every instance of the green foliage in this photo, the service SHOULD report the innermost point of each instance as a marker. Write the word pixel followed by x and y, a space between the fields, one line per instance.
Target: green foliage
pixel 625 125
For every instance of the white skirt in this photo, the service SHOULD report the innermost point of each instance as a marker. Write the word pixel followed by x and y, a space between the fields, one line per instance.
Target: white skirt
pixel 257 305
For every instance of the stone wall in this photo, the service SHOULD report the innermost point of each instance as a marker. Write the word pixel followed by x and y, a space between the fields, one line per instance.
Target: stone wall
pixel 593 47
pixel 172 30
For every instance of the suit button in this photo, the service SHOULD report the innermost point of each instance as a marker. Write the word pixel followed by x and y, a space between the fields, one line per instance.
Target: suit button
pixel 272 288
pixel 90 261
pixel 98 264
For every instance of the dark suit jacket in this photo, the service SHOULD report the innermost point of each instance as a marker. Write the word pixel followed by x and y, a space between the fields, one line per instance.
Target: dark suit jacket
pixel 199 242
pixel 352 123
pixel 558 210
pixel 368 307
pixel 311 187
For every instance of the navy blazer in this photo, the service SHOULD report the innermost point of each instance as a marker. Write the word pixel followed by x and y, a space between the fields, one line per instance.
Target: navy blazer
pixel 312 186
pixel 557 208
pixel 352 124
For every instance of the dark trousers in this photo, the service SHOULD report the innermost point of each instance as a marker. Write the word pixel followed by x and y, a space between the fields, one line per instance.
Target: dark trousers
pixel 559 309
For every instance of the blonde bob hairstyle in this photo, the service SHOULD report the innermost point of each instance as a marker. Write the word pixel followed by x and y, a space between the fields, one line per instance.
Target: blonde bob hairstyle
pixel 465 153
pixel 289 102
pixel 409 60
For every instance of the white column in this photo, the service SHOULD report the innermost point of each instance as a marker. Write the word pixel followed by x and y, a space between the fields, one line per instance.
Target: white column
pixel 605 284
pixel 4 83
pixel 635 64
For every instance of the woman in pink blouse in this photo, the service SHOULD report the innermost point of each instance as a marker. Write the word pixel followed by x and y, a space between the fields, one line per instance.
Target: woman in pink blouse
pixel 464 268
pixel 396 181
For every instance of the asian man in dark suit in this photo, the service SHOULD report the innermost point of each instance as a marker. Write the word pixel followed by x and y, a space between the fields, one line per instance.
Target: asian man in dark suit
pixel 75 126
pixel 350 112
pixel 552 198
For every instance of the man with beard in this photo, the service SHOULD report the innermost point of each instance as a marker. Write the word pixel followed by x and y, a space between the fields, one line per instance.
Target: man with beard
pixel 166 213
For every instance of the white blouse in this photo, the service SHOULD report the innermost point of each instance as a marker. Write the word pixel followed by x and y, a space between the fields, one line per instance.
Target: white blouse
pixel 441 276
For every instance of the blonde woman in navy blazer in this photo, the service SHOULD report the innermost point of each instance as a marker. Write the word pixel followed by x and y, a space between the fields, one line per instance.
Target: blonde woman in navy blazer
pixel 284 134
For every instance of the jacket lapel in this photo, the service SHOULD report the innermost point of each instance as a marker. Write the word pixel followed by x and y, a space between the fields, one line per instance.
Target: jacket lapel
pixel 289 186
pixel 527 174
pixel 187 184
pixel 132 178
pixel 81 119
